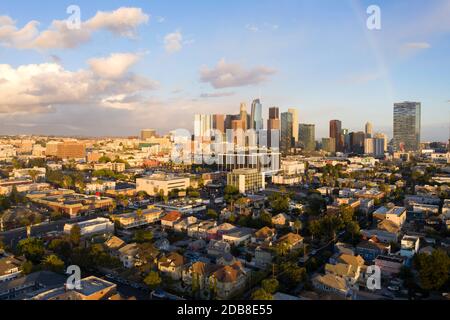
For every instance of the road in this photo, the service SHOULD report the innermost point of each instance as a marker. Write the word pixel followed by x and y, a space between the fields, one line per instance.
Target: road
pixel 12 237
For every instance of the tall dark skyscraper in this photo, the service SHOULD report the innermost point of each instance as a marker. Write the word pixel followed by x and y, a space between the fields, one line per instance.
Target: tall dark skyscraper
pixel 407 126
pixel 286 132
pixel 307 136
pixel 256 121
pixel 336 134
pixel 273 127
pixel 274 113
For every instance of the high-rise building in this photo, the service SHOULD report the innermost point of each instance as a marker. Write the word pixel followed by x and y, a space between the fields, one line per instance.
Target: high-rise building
pixel 374 147
pixel 148 134
pixel 369 130
pixel 357 142
pixel 336 134
pixel 329 145
pixel 286 132
pixel 219 122
pixel 243 114
pixel 256 116
pixel 294 113
pixel 273 127
pixel 383 137
pixel 307 136
pixel 407 126
pixel 203 124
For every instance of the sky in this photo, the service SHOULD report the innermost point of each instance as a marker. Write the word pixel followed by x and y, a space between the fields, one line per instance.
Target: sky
pixel 155 63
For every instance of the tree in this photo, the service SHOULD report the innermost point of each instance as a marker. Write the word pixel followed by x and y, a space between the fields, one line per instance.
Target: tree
pixel 261 294
pixel 241 203
pixel 32 248
pixel 153 280
pixel 347 213
pixel 270 285
pixel 53 263
pixel 27 267
pixel 315 228
pixel 353 228
pixel 433 269
pixel 212 214
pixel 298 225
pixel 33 174
pixel 141 236
pixel 61 247
pixel 75 235
pixel 279 202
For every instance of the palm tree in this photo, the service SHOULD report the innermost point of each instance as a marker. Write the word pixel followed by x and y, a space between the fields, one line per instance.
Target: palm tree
pixel 298 225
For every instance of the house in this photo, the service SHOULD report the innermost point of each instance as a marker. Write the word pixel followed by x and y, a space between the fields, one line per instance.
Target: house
pixel 292 240
pixel 409 246
pixel 113 245
pixel 218 247
pixel 10 268
pixel 280 220
pixel 397 215
pixel 228 280
pixel 200 229
pixel 183 224
pixel 263 257
pixel 226 260
pixel 390 265
pixel 331 284
pixel 172 265
pixel 386 232
pixel 350 273
pixel 170 219
pixel 162 244
pixel 238 236
pixel 370 249
pixel 127 255
pixel 217 232
pixel 30 285
pixel 197 274
pixel 264 235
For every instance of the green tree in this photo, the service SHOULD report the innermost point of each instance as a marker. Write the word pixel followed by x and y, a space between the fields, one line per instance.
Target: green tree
pixel 212 214
pixel 270 285
pixel 141 236
pixel 279 202
pixel 32 248
pixel 75 235
pixel 347 213
pixel 433 269
pixel 61 247
pixel 27 267
pixel 53 263
pixel 261 295
pixel 152 280
pixel 298 225
pixel 353 228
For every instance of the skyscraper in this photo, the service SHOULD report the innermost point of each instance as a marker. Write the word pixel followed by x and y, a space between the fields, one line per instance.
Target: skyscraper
pixel 286 132
pixel 243 114
pixel 336 134
pixel 219 122
pixel 407 126
pixel 203 123
pixel 307 136
pixel 369 130
pixel 273 127
pixel 256 116
pixel 294 113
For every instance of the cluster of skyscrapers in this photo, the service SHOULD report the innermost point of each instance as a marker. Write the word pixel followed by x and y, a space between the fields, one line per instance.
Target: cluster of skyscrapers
pixel 284 132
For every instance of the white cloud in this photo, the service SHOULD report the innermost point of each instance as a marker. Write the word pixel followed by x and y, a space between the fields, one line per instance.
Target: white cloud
pixel 41 87
pixel 217 95
pixel 114 66
pixel 417 45
pixel 173 42
pixel 252 28
pixel 227 75
pixel 121 22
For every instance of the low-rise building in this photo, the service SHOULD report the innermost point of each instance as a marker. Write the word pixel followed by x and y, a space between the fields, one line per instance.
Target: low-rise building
pixel 246 180
pixel 92 227
pixel 162 183
pixel 138 218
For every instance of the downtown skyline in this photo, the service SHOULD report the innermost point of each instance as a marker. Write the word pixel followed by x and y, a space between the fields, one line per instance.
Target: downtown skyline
pixel 161 67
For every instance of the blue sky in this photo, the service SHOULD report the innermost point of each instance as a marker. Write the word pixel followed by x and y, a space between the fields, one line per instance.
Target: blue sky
pixel 178 58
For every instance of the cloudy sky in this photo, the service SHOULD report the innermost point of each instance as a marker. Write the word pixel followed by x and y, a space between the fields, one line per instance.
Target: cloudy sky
pixel 154 64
